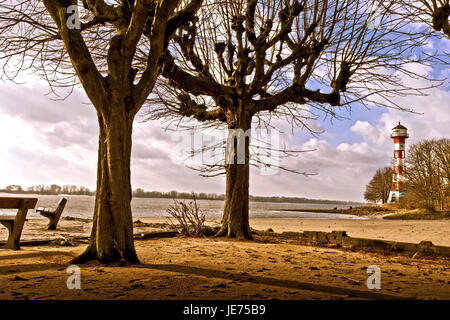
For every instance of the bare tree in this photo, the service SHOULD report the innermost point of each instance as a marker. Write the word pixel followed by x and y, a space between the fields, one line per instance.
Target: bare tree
pixel 242 63
pixel 433 13
pixel 427 172
pixel 442 150
pixel 379 186
pixel 102 52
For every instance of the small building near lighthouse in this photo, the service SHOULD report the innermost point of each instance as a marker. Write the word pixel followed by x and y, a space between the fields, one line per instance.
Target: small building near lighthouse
pixel 399 134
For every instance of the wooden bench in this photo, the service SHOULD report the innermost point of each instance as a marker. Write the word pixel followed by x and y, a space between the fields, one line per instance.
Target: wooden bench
pixel 53 215
pixel 14 224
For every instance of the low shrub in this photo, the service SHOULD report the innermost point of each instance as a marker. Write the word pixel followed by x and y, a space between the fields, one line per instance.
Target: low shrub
pixel 191 220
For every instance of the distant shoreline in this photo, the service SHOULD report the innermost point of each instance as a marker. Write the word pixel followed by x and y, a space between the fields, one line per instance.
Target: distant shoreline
pixel 386 213
pixel 199 196
pixel 357 211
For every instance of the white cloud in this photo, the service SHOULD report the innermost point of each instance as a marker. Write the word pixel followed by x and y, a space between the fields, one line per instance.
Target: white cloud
pixel 373 134
pixel 45 141
pixel 342 172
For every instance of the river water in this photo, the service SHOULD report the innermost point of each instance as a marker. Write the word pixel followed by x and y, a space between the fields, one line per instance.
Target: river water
pixel 83 206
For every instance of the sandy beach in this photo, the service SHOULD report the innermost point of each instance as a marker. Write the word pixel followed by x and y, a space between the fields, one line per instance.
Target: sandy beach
pixel 437 231
pixel 205 268
pixel 209 268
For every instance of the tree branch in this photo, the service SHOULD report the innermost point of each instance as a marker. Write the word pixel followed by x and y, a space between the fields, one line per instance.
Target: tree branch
pixel 196 85
pixel 296 94
pixel 189 108
pixel 80 56
pixel 162 29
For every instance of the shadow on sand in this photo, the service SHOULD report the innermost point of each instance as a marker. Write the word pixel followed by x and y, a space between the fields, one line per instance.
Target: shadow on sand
pixel 291 284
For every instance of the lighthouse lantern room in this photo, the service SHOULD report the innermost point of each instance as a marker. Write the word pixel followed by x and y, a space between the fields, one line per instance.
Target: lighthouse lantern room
pixel 399 135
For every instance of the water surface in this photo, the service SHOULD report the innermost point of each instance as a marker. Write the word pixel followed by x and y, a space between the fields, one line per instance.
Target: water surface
pixel 83 206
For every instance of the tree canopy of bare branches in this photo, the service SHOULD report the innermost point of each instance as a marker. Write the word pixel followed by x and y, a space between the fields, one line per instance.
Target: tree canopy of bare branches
pixel 428 173
pixel 433 13
pixel 113 49
pixel 241 61
pixel 379 186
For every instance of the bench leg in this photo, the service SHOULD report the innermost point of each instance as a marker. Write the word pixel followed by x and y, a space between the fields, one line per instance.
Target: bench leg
pixel 15 228
pixel 57 214
pixel 51 220
pixel 10 226
pixel 10 244
pixel 52 223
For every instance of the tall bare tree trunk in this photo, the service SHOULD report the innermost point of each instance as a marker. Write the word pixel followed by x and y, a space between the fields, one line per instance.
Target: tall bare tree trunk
pixel 235 221
pixel 112 231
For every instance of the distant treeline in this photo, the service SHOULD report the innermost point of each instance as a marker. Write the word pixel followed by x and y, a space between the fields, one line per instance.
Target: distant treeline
pixel 141 193
pixel 55 189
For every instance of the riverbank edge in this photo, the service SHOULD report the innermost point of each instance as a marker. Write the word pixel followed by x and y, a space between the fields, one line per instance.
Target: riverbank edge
pixel 383 212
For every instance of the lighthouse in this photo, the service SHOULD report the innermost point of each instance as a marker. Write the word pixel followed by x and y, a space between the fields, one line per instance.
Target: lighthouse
pixel 399 135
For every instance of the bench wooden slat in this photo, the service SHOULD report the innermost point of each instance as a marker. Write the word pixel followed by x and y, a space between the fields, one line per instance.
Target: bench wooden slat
pixel 14 224
pixel 53 215
pixel 14 202
pixel 6 218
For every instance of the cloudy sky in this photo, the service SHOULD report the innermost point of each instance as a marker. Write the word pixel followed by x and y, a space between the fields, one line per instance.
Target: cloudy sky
pixel 45 141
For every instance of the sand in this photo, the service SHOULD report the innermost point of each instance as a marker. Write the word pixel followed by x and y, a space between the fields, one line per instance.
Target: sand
pixel 186 268
pixel 437 231
pixel 207 268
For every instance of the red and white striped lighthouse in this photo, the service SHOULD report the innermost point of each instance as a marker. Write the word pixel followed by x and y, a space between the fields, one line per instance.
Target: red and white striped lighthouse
pixel 399 135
